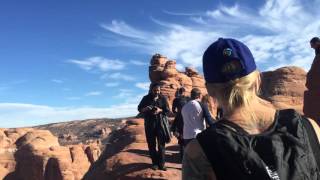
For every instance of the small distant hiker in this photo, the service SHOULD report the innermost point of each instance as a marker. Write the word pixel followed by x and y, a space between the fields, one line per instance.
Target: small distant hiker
pixel 177 125
pixel 314 72
pixel 196 117
pixel 252 141
pixel 155 108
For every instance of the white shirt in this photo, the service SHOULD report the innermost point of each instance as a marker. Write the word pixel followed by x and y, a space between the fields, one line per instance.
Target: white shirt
pixel 193 120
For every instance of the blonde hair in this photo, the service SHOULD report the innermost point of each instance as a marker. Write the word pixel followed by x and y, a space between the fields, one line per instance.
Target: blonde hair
pixel 237 93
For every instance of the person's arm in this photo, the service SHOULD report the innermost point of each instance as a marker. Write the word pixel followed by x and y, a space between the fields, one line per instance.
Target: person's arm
pixel 174 125
pixel 195 165
pixel 206 114
pixel 174 106
pixel 165 106
pixel 143 107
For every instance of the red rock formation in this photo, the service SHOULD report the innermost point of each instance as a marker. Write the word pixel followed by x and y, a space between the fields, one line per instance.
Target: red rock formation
pixel 163 71
pixel 36 154
pixel 284 87
pixel 127 158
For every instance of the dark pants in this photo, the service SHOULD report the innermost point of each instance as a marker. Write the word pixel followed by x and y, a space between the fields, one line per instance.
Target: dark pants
pixel 186 142
pixel 181 147
pixel 155 137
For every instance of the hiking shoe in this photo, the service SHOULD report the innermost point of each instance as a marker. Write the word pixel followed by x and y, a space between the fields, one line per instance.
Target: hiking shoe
pixel 154 167
pixel 163 168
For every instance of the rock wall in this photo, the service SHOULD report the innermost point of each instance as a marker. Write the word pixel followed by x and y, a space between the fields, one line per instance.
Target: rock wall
pixel 284 87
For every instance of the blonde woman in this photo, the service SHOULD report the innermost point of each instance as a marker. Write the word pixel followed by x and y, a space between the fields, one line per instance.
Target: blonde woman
pixel 253 141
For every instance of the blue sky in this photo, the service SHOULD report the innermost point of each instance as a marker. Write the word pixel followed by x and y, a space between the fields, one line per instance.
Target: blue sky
pixel 68 60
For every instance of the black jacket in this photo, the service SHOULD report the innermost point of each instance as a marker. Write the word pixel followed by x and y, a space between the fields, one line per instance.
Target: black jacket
pixel 148 100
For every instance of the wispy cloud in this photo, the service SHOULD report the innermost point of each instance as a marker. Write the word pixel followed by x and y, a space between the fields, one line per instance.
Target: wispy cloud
pixel 94 93
pixel 112 84
pixel 124 93
pixel 73 98
pixel 22 115
pixel 98 63
pixel 58 81
pixel 10 84
pixel 277 33
pixel 138 63
pixel 120 76
pixel 66 89
pixel 143 85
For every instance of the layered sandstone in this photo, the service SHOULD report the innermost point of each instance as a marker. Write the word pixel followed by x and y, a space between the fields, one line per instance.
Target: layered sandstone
pixel 163 71
pixel 284 87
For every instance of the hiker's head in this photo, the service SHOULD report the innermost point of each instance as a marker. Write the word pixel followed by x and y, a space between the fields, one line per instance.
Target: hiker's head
pixel 205 99
pixel 181 91
pixel 195 93
pixel 155 89
pixel 231 74
pixel 315 43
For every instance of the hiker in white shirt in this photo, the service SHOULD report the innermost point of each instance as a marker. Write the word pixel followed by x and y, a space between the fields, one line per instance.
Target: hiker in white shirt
pixel 195 116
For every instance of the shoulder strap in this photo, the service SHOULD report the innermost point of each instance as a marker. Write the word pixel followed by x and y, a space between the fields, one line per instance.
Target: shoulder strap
pixel 207 116
pixel 313 139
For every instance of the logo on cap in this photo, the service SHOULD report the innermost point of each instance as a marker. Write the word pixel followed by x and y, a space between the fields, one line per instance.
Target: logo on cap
pixel 227 52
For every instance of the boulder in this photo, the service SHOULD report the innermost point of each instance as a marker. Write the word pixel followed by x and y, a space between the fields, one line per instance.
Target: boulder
pixel 284 87
pixel 37 155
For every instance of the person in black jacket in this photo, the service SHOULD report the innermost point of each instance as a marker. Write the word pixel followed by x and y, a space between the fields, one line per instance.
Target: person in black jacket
pixel 154 107
pixel 315 44
pixel 177 125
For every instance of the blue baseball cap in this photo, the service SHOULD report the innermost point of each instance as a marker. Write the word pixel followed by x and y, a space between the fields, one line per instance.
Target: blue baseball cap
pixel 227 59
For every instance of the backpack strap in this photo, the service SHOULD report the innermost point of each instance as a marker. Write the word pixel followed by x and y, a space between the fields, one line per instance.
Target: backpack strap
pixel 313 139
pixel 206 114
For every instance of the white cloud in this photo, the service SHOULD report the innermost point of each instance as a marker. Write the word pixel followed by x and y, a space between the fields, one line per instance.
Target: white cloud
pixel 278 33
pixel 180 67
pixel 120 27
pixel 143 85
pixel 124 93
pixel 58 81
pixel 121 76
pixel 66 89
pixel 138 63
pixel 174 43
pixel 99 63
pixel 93 93
pixel 73 98
pixel 112 84
pixel 11 84
pixel 22 115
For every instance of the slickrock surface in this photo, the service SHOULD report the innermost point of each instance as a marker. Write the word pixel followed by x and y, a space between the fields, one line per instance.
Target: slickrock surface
pixel 127 158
